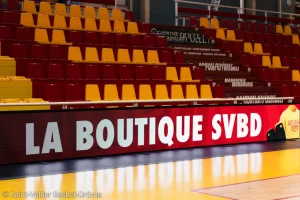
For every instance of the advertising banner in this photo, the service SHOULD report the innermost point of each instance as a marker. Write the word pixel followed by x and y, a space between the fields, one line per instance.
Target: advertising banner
pixel 41 136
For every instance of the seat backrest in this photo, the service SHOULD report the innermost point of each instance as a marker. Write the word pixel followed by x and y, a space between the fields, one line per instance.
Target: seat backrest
pixel 55 71
pixel 279 29
pixel 74 53
pixel 58 37
pixel 116 14
pixel 191 92
pixel 52 92
pixel 205 92
pixel 43 21
pixel 90 24
pixel 266 61
pixel 92 92
pixel 220 34
pixel 162 41
pixel 132 28
pixel 41 35
pixel 287 30
pixel 123 55
pixel 204 22
pixel 89 11
pixel 128 92
pixel 230 35
pixel 29 6
pixel 60 9
pixel 75 23
pixel 145 92
pixel 295 75
pixel 258 48
pixel 75 11
pixel 35 71
pixel 107 55
pixel 74 92
pixel 171 74
pixel 74 71
pixel 92 72
pixel 91 54
pixel 138 56
pixel 276 61
pixel 119 26
pixel 105 25
pixel 161 92
pixel 214 23
pixel 176 91
pixel 45 8
pixel 185 74
pixel 59 22
pixel 103 13
pixel 295 39
pixel 152 57
pixel 111 92
pixel 248 47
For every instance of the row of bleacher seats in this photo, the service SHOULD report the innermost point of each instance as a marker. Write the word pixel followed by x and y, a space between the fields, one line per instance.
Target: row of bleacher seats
pixel 267 74
pixel 110 92
pixel 265 61
pixel 55 71
pixel 75 23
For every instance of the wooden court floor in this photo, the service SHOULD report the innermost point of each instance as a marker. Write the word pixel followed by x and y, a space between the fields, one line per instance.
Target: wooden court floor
pixel 259 176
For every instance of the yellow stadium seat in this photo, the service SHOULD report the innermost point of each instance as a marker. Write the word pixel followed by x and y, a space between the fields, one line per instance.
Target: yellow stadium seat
pixel 60 9
pixel 128 92
pixel 29 6
pixel 90 24
pixel 34 100
pixel 138 56
pixel 74 53
pixel 91 54
pixel 152 57
pixel 75 11
pixel 60 22
pixel 103 13
pixel 231 36
pixel 27 19
pixel 145 92
pixel 176 92
pixel 89 11
pixel 248 47
pixel 296 39
pixel 12 78
pixel 107 55
pixel 295 75
pixel 123 56
pixel 287 30
pixel 11 100
pixel 45 8
pixel 276 62
pixel 105 25
pixel 43 21
pixel 204 22
pixel 171 74
pixel 92 92
pixel 205 92
pixel 220 34
pixel 279 29
pixel 266 61
pixel 161 92
pixel 41 36
pixel 214 23
pixel 116 14
pixel 259 50
pixel 191 92
pixel 186 75
pixel 75 23
pixel 58 37
pixel 132 28
pixel 119 26
pixel 111 92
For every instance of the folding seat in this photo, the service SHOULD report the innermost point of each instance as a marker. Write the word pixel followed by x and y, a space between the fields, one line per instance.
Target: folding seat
pixel 55 71
pixel 256 60
pixel 287 30
pixel 41 36
pixel 240 35
pixel 285 61
pixel 224 24
pixel 45 8
pixel 198 73
pixel 261 28
pixel 295 63
pixel 60 9
pixel 111 92
pixel 138 56
pixel 38 51
pixel 75 11
pixel 258 49
pixel 287 39
pixel 279 29
pixel 204 22
pixel 126 72
pixel 219 91
pixel 19 51
pixel 259 37
pixel 285 90
pixel 252 27
pixel 105 25
pixel 24 34
pixel 119 27
pixel 149 40
pixel 162 41
pixel 91 38
pixel 191 92
pixel 237 48
pixel 179 57
pixel 59 22
pixel 220 34
pixel 295 39
pixel 269 38
pixel 75 23
pixel 52 92
pixel 59 52
pixel 275 75
pixel 92 72
pixel 166 56
pixel 132 28
pixel 75 37
pixel 244 26
pixel 135 40
pixel 107 39
pixel 74 71
pixel 74 92
pixel 271 28
pixel 245 60
pixel 123 56
pixel 158 73
pixel 185 74
pixel 27 19
pixel 278 38
pixel 231 36
pixel 161 92
pixel 58 37
pixel 277 62
pixel 142 72
pixel 286 75
pixel 295 75
pixel 91 54
pixel 5 33
pixel 92 92
pixel 214 23
pixel 121 40
pixel 129 15
pixel 145 92
pixel 264 74
pixel 248 48
pixel 277 49
pixel 43 21
pixel 35 71
pixel 74 54
pixel 128 92
pixel 107 55
pixel 234 25
pixel 103 13
pixel 250 37
pixel 286 50
pixel 266 61
pixel 268 48
pixel 205 92
pixel 152 57
pixel 90 24
pixel 109 72
pixel 296 89
pixel 116 14
pixel 89 11
pixel 176 92
pixel 29 7
pixel 12 5
pixel 171 74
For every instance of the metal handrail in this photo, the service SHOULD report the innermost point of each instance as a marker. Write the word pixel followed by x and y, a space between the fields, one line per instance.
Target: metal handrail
pixel 142 101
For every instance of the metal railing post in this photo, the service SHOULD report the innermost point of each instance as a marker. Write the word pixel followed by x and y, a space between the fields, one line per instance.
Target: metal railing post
pixel 176 13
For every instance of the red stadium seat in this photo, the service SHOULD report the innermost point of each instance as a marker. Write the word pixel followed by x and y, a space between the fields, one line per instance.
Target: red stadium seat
pixel 226 46
pixel 268 48
pixel 162 41
pixel 219 91
pixel 91 38
pixel 143 73
pixel 126 72
pixel 252 27
pixel 269 38
pixel 285 61
pixel 245 60
pixel 285 50
pixel 74 71
pixel 55 71
pixel 256 60
pixel 193 21
pixel 149 40
pixel 11 17
pixel 135 40
pixel 264 74
pixel 19 51
pixel 52 92
pixel 271 28
pixel 179 57
pixel 38 51
pixel 12 5
pixel 108 72
pixel 145 28
pixel 24 34
pixel 250 37
pixel 75 37
pixel 275 74
pixel 5 33
pixel 35 71
pixel 158 73
pixel 107 39
pixel 166 56
pixel 224 24
pixel 129 15
pixel 74 92
pixel 285 90
pixel 240 35
pixel 243 26
pixel 287 39
pixel 286 75
pixel 198 73
pixel 295 49
pixel 261 28
pixel 278 38
pixel 58 52
pixel 295 63
pixel 296 89
pixel 259 37
pixel 92 72
pixel 121 40
pixel 277 50
pixel 234 25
